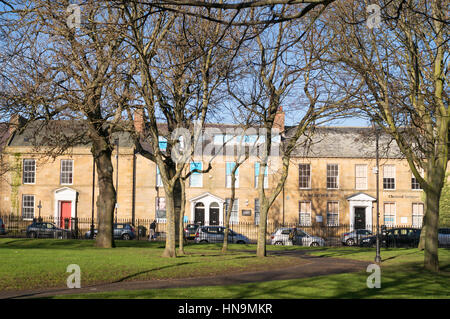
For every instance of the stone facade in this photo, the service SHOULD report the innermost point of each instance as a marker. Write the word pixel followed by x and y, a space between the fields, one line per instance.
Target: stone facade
pixel 352 201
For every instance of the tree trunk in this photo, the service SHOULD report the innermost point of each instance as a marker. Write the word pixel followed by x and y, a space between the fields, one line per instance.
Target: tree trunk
pixel 431 260
pixel 173 207
pixel 169 250
pixel 181 220
pixel 262 230
pixel 424 227
pixel 229 209
pixel 227 220
pixel 106 199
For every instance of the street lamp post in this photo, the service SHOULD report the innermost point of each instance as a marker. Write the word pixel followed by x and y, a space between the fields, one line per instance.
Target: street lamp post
pixel 40 206
pixel 377 173
pixel 93 198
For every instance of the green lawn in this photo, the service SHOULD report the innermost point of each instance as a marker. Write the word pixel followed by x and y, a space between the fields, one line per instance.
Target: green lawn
pixel 42 263
pixel 402 277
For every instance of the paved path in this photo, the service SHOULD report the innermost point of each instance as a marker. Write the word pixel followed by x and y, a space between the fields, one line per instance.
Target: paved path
pixel 310 266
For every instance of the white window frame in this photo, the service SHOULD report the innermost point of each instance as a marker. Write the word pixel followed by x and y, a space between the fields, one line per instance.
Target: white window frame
pixel 201 176
pixel 28 172
pixel 61 171
pixel 28 207
pixel 394 204
pixel 266 177
pixel 307 213
pixel 361 177
pixel 415 215
pixel 394 173
pixel 309 181
pixel 234 218
pixel 228 177
pixel 257 216
pixel 159 182
pixel 413 177
pixel 337 176
pixel 334 213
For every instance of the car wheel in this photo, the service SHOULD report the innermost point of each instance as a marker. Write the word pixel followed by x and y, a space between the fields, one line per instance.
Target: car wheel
pixel 350 242
pixel 32 235
pixel 279 243
pixel 314 244
pixel 203 241
pixel 126 237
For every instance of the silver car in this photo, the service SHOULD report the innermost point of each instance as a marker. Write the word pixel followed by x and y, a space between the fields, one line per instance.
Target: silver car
pixel 215 234
pixel 281 237
pixel 355 237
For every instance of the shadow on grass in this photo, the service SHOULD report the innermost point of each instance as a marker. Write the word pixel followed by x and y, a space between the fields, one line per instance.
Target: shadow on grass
pixel 399 282
pixel 150 270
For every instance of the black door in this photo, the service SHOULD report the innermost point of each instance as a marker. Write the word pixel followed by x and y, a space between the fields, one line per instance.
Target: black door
pixel 199 217
pixel 360 217
pixel 213 216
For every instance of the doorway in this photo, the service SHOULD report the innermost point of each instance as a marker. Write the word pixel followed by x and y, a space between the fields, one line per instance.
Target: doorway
pixel 66 213
pixel 199 217
pixel 214 214
pixel 360 217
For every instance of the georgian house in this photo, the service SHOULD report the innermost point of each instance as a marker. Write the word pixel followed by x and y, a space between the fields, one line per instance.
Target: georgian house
pixel 331 181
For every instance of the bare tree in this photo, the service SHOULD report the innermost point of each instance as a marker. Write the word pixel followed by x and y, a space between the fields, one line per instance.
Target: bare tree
pixel 180 65
pixel 285 60
pixel 402 65
pixel 63 65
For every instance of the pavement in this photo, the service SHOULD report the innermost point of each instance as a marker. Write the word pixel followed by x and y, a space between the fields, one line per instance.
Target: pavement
pixel 310 266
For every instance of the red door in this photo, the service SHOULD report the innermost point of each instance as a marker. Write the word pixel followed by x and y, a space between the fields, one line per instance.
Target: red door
pixel 66 212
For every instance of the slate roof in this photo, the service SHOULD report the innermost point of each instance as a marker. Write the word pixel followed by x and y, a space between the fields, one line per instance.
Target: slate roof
pixel 325 142
pixel 344 142
pixel 69 132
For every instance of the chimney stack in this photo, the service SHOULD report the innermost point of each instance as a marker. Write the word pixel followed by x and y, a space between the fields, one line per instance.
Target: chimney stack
pixel 139 120
pixel 278 122
pixel 15 122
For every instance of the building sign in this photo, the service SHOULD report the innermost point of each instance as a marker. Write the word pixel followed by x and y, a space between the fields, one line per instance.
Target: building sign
pixel 319 219
pixel 246 212
pixel 404 196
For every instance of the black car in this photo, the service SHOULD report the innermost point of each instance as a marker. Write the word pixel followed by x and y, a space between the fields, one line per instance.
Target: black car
pixel 46 230
pixel 190 230
pixel 396 237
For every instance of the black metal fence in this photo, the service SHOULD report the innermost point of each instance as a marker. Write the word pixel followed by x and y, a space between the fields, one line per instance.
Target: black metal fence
pixel 316 234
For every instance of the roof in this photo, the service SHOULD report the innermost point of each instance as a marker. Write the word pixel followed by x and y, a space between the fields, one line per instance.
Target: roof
pixel 68 133
pixel 325 142
pixel 344 142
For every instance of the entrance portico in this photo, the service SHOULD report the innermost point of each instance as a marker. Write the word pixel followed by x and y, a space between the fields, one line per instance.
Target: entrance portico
pixel 65 200
pixel 360 205
pixel 207 209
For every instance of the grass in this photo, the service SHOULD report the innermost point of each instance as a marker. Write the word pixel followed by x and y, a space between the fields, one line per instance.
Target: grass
pixel 402 277
pixel 42 263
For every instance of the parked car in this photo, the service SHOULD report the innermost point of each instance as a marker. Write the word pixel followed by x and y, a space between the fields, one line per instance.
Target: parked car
pixel 2 227
pixel 281 237
pixel 215 234
pixel 444 236
pixel 121 231
pixel 190 230
pixel 396 237
pixel 46 230
pixel 355 236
